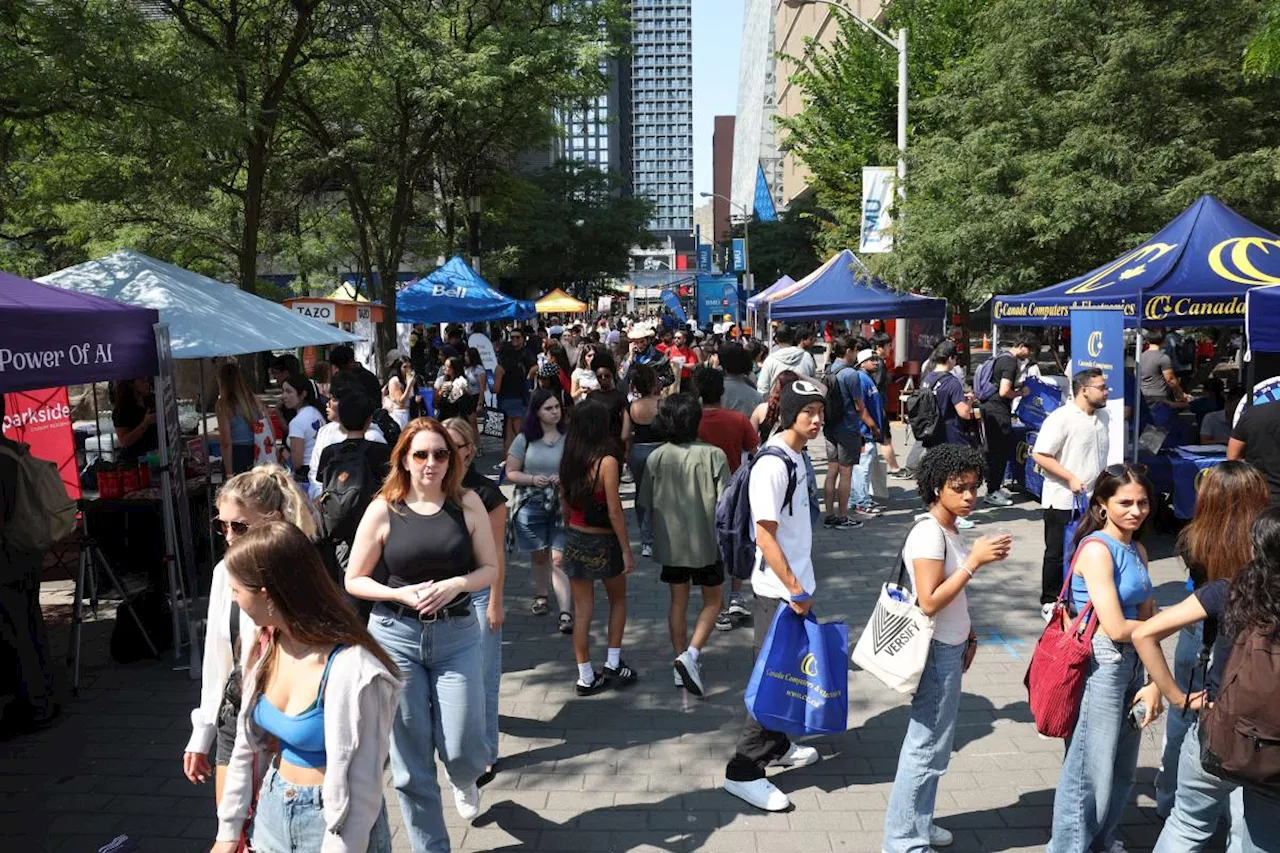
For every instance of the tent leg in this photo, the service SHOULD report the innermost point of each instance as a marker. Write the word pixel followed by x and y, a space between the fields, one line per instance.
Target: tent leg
pixel 1137 386
pixel 208 479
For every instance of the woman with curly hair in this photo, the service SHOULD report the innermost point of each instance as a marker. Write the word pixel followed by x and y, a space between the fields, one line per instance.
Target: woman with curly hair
pixel 941 568
pixel 1232 601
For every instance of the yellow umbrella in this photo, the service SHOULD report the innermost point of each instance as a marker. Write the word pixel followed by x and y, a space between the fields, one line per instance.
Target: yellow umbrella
pixel 559 302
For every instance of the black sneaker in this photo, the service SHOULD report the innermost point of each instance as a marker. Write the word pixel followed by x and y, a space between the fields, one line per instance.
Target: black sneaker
pixel 622 676
pixel 725 622
pixel 597 684
pixel 903 474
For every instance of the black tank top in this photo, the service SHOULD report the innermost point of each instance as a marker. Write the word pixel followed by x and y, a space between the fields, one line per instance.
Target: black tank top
pixel 427 547
pixel 642 433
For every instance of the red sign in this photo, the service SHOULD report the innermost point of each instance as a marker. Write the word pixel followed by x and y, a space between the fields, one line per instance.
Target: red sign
pixel 42 419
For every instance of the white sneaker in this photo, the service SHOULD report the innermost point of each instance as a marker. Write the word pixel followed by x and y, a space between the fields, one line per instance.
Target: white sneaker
pixel 676 673
pixel 939 837
pixel 797 756
pixel 963 523
pixel 646 550
pixel 690 672
pixel 467 801
pixel 997 499
pixel 760 793
pixel 1046 611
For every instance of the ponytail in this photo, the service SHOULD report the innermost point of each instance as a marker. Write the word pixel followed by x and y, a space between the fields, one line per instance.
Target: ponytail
pixel 270 489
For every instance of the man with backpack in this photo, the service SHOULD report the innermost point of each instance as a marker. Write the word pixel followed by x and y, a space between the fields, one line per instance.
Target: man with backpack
pixel 843 415
pixel 24 670
pixel 866 362
pixel 996 386
pixel 778 496
pixel 350 474
pixel 940 412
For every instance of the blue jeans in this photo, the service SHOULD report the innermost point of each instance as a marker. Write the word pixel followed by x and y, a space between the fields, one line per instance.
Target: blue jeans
pixel 1102 753
pixel 1201 801
pixel 1176 724
pixel 441 710
pixel 636 462
pixel 491 653
pixel 926 751
pixel 860 484
pixel 290 819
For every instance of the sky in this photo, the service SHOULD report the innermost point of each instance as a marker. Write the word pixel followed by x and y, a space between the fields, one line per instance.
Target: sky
pixel 717 39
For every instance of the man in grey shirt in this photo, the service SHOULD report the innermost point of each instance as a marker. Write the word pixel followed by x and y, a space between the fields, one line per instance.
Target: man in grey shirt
pixel 1159 383
pixel 740 393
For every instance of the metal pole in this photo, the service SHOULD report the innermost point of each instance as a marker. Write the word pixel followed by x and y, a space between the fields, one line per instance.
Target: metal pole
pixel 208 480
pixel 1137 380
pixel 902 114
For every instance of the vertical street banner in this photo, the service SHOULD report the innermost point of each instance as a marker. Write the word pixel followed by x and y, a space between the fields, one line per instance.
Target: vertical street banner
pixel 739 254
pixel 42 420
pixel 877 198
pixel 672 302
pixel 704 257
pixel 1097 340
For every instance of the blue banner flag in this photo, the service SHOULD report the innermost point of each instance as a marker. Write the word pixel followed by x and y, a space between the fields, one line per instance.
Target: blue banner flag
pixel 1097 340
pixel 739 254
pixel 704 257
pixel 673 302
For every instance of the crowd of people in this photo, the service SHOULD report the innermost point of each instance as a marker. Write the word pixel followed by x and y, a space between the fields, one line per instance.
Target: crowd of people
pixel 352 628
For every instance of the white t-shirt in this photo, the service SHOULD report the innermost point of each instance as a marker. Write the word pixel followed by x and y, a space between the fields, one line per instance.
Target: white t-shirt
pixel 1080 442
pixel 330 434
pixel 766 492
pixel 929 541
pixel 586 379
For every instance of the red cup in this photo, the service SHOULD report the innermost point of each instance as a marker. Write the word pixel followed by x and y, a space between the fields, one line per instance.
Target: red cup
pixel 144 474
pixel 109 483
pixel 129 480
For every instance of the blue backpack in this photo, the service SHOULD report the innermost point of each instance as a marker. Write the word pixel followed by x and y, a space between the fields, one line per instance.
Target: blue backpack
pixel 983 388
pixel 735 533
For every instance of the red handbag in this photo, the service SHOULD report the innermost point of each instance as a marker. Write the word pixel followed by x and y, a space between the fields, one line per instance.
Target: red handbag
pixel 1055 678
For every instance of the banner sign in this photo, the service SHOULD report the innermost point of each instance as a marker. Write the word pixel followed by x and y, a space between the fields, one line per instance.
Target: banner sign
pixel 739 254
pixel 1097 340
pixel 604 304
pixel 673 302
pixel 176 507
pixel 321 310
pixel 717 296
pixel 42 419
pixel 704 257
pixel 877 198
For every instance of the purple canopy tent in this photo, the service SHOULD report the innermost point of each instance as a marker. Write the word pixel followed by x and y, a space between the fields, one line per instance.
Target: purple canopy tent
pixel 56 337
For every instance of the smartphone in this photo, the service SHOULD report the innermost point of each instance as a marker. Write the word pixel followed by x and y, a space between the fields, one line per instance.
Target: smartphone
pixel 1137 714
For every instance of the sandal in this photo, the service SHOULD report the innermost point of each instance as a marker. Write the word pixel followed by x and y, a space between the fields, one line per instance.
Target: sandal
pixel 566 623
pixel 540 607
pixel 597 684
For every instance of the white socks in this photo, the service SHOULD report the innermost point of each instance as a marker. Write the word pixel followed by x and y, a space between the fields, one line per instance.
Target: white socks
pixel 586 674
pixel 614 659
pixel 693 653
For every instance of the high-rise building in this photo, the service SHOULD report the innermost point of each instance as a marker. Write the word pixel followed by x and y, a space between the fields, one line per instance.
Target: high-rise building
pixel 721 175
pixel 662 111
pixel 755 143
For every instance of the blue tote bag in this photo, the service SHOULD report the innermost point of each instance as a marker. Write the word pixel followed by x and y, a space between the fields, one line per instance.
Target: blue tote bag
pixel 800 684
pixel 1080 508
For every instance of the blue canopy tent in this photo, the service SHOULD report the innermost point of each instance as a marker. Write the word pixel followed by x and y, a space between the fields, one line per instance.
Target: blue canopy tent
pixel 842 287
pixel 455 293
pixel 772 291
pixel 1262 319
pixel 1194 272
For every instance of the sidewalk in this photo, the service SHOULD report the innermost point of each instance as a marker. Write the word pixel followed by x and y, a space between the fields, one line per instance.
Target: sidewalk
pixel 630 772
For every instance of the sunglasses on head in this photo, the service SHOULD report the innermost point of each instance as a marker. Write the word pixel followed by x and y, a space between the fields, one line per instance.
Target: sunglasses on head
pixel 239 528
pixel 1121 468
pixel 440 454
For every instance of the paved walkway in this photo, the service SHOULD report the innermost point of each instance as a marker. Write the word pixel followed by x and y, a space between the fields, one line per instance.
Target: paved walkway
pixel 635 771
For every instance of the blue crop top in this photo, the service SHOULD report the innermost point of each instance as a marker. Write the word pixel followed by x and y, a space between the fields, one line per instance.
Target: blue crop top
pixel 1133 583
pixel 301 735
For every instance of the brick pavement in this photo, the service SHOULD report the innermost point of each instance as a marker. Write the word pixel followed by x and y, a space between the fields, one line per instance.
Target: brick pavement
pixel 635 771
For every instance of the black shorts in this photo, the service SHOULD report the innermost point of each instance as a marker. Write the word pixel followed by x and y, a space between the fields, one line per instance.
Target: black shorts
pixel 591 556
pixel 845 450
pixel 712 575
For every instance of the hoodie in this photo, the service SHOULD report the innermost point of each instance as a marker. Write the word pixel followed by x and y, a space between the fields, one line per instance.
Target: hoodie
pixel 784 358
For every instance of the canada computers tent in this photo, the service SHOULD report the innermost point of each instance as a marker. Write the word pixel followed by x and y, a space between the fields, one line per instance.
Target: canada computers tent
pixel 206 317
pixel 54 337
pixel 841 288
pixel 1195 272
pixel 455 293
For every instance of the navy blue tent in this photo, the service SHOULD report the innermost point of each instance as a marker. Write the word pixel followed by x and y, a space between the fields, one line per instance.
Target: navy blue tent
pixel 842 288
pixel 455 293
pixel 1194 272
pixel 1262 319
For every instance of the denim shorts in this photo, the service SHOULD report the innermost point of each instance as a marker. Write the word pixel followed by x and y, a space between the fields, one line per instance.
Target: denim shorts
pixel 290 819
pixel 535 529
pixel 513 407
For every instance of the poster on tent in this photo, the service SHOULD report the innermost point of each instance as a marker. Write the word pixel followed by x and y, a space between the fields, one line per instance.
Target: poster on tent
pixel 877 198
pixel 363 327
pixel 42 419
pixel 1097 340
pixel 179 533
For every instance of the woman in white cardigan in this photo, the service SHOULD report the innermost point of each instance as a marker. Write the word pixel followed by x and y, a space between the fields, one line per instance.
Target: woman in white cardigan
pixel 321 692
pixel 262 494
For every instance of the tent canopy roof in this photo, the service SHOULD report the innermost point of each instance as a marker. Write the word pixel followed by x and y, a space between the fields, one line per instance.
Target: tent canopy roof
pixel 1195 272
pixel 455 293
pixel 55 337
pixel 770 293
pixel 206 317
pixel 842 287
pixel 559 302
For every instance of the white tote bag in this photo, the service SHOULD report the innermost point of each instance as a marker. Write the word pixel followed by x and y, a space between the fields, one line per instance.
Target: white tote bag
pixel 894 646
pixel 879 479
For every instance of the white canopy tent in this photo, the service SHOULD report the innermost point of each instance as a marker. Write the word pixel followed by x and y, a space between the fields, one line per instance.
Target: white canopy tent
pixel 206 317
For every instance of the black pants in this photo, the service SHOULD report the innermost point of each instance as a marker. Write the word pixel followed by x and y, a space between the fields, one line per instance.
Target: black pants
pixel 25 668
pixel 757 746
pixel 1055 527
pixel 999 427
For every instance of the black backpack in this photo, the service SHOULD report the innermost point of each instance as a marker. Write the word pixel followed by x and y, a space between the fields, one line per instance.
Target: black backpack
pixel 735 532
pixel 390 429
pixel 348 489
pixel 923 414
pixel 834 412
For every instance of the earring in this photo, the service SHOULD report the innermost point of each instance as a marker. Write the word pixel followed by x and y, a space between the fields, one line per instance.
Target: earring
pixel 1103 513
pixel 271 608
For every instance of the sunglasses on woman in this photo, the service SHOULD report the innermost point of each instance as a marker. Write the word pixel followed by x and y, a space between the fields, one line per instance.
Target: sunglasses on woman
pixel 440 454
pixel 239 528
pixel 1121 468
